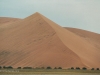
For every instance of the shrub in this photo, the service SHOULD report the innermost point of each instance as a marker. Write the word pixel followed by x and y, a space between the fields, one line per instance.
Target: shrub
pixel 49 67
pixel 97 68
pixel 27 67
pixel 55 68
pixel 72 68
pixel 4 67
pixel 77 68
pixel 59 67
pixel 0 67
pixel 84 68
pixel 19 68
pixel 42 68
pixel 92 69
pixel 9 67
pixel 37 68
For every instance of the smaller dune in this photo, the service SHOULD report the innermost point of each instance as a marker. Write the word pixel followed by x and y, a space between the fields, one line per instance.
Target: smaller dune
pixel 5 20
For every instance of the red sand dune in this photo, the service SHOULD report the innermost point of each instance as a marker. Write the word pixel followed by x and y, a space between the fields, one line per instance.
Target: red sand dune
pixel 91 37
pixel 39 42
pixel 6 20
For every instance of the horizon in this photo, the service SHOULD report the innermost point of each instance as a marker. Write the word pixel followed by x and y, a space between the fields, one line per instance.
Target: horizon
pixel 73 13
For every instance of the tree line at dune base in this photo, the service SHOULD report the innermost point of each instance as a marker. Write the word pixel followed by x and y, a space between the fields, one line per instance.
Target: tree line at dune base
pixel 72 68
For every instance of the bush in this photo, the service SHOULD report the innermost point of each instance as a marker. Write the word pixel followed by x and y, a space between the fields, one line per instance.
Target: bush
pixel 59 67
pixel 4 67
pixel 27 67
pixel 55 68
pixel 37 68
pixel 19 68
pixel 97 68
pixel 77 68
pixel 42 68
pixel 49 67
pixel 0 67
pixel 84 68
pixel 72 68
pixel 92 69
pixel 9 67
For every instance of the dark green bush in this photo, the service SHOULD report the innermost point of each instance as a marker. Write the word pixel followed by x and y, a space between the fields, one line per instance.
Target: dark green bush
pixel 97 68
pixel 55 68
pixel 42 68
pixel 0 67
pixel 72 68
pixel 77 68
pixel 84 68
pixel 92 69
pixel 27 67
pixel 59 67
pixel 19 68
pixel 9 67
pixel 49 67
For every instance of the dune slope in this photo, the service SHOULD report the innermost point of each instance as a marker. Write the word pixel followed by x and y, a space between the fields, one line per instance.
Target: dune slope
pixel 91 37
pixel 86 51
pixel 4 20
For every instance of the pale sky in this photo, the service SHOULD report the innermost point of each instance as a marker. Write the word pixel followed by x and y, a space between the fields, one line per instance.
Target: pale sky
pixel 83 14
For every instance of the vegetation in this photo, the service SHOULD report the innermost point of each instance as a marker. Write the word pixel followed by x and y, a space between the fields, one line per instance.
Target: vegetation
pixel 19 68
pixel 9 67
pixel 59 67
pixel 49 67
pixel 47 70
pixel 50 71
pixel 0 67
pixel 37 68
pixel 92 69
pixel 72 68
pixel 97 68
pixel 84 68
pixel 27 67
pixel 42 68
pixel 55 68
pixel 77 68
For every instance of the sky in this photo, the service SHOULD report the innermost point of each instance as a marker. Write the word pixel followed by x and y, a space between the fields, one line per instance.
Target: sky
pixel 82 14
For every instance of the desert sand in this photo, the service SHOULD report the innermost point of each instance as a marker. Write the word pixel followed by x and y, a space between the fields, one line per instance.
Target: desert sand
pixel 7 20
pixel 37 41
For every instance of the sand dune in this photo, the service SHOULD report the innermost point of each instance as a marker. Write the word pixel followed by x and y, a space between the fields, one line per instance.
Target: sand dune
pixel 39 42
pixel 91 37
pixel 6 20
